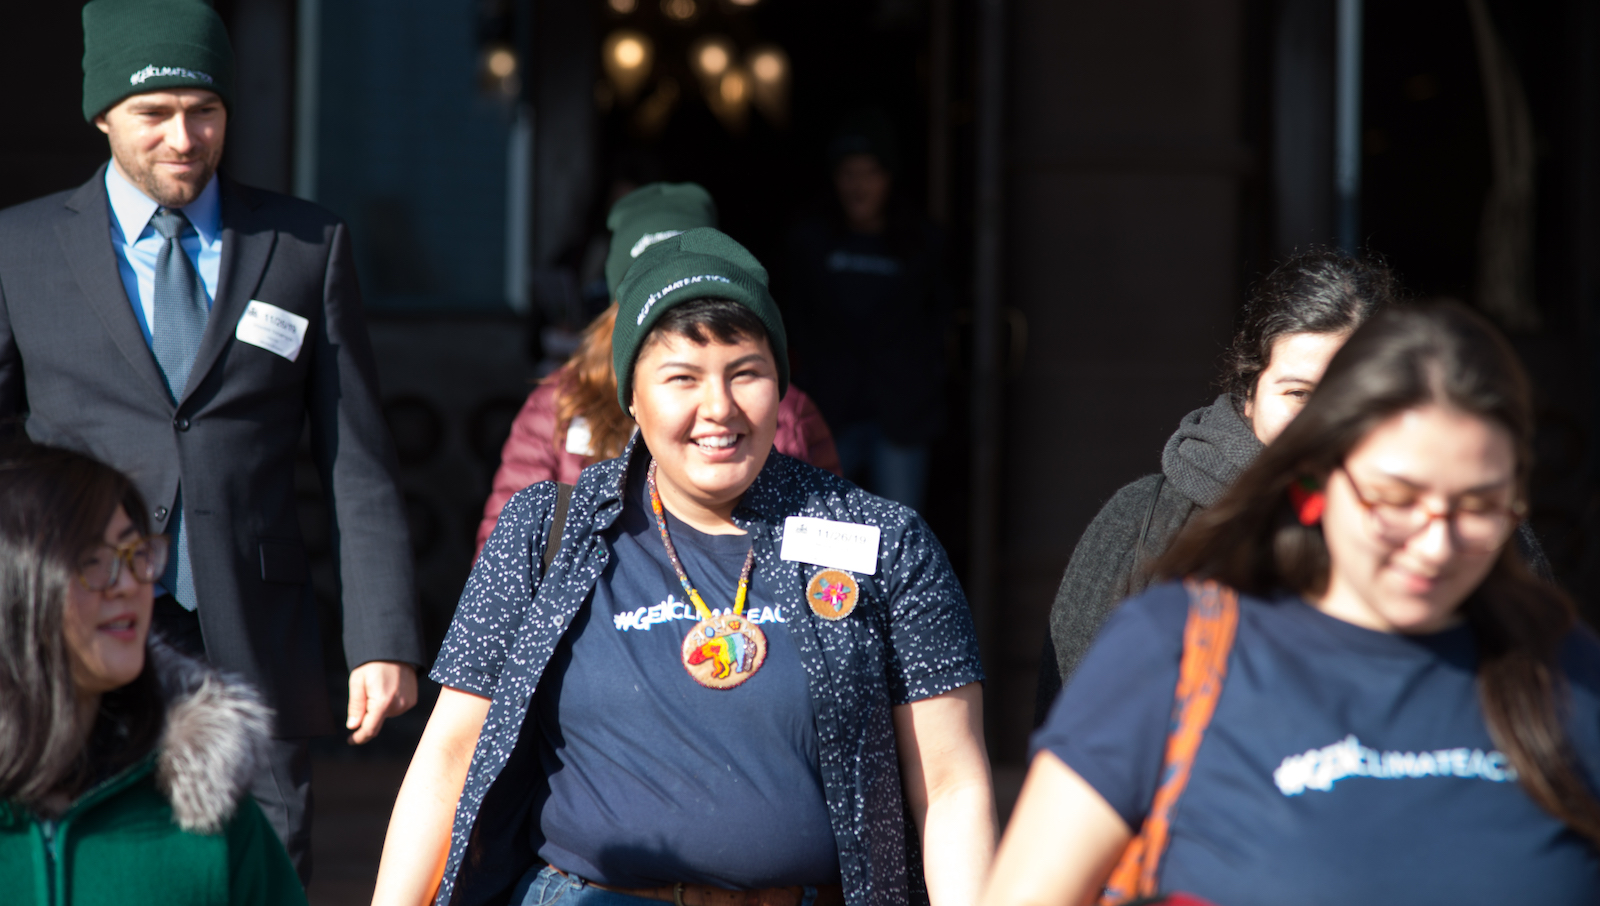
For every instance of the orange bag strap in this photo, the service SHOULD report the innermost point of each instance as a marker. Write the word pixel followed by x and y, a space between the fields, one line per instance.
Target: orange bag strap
pixel 1207 640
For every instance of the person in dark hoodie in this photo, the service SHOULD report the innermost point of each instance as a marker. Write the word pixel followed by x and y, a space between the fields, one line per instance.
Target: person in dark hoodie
pixel 1294 322
pixel 869 302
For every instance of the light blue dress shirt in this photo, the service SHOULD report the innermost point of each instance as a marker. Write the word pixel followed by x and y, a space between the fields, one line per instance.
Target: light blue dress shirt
pixel 131 211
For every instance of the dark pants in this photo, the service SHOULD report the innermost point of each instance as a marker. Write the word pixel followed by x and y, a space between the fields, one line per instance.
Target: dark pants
pixel 282 784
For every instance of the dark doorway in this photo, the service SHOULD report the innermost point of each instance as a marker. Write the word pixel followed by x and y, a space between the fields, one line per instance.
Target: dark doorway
pixel 49 148
pixel 767 167
pixel 1430 169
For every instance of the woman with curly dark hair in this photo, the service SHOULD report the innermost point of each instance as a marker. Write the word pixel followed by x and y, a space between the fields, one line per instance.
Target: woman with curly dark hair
pixel 1295 321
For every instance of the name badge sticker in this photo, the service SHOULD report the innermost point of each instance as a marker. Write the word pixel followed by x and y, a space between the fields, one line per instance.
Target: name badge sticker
pixel 580 440
pixel 272 328
pixel 841 545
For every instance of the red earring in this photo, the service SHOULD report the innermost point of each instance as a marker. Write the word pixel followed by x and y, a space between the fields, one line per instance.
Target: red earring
pixel 1309 499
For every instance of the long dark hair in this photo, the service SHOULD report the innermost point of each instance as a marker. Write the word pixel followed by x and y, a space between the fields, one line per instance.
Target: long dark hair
pixel 1316 291
pixel 54 508
pixel 1251 539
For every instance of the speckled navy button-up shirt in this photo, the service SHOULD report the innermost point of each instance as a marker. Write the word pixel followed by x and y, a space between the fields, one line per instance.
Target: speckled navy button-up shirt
pixel 910 637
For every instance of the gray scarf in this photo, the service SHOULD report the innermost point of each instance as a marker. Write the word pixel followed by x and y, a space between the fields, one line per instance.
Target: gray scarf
pixel 1210 449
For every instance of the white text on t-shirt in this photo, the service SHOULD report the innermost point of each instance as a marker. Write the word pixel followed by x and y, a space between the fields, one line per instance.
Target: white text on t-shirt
pixel 1320 769
pixel 674 609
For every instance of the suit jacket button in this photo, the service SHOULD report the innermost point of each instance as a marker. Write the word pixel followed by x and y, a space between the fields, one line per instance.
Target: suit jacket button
pixel 181 423
pixel 160 513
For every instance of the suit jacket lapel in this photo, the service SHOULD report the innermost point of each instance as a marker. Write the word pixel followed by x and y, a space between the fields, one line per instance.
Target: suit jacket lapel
pixel 246 248
pixel 85 236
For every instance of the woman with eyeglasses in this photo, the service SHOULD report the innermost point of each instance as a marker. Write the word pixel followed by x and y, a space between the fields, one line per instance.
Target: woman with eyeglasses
pixel 1360 694
pixel 123 764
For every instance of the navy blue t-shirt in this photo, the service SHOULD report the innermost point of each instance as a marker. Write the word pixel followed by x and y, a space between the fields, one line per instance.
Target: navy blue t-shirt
pixel 1342 765
pixel 653 778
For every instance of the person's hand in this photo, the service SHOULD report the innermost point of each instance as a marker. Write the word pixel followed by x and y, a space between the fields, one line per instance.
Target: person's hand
pixel 379 690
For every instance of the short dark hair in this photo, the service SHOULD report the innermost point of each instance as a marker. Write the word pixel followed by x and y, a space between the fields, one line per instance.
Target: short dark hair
pixel 704 320
pixel 1316 291
pixel 54 508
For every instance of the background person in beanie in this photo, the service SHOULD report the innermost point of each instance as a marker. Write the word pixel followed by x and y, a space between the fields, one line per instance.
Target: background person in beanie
pixel 182 327
pixel 869 305
pixel 572 420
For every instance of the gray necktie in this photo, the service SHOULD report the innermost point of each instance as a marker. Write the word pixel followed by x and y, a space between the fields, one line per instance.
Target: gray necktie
pixel 180 303
pixel 180 322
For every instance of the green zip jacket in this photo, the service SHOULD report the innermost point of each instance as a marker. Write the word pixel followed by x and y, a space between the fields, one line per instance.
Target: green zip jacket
pixel 175 829
pixel 119 844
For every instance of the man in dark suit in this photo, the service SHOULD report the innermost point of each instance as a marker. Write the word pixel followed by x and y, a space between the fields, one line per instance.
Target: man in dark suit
pixel 183 327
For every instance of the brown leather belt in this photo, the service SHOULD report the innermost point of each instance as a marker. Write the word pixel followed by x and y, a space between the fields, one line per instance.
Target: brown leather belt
pixel 705 895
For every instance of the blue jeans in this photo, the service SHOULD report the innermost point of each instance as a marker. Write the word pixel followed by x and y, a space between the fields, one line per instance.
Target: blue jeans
pixel 898 472
pixel 548 887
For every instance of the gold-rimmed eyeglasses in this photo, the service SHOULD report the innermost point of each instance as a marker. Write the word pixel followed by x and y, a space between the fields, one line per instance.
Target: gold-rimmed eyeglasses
pixel 144 557
pixel 1477 525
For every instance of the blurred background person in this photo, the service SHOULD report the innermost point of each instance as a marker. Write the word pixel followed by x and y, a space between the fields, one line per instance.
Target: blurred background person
pixel 124 765
pixel 186 329
pixel 869 305
pixel 672 711
pixel 571 419
pixel 1293 323
pixel 1362 694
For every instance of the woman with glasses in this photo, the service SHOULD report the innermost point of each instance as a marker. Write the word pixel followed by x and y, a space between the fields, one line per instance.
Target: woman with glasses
pixel 123 764
pixel 1360 694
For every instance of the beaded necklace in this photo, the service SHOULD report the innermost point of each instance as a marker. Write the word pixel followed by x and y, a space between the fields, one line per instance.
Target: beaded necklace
pixel 723 649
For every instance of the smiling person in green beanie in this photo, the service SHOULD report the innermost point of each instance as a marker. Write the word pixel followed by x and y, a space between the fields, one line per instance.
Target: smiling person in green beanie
pixel 183 328
pixel 710 676
pixel 571 420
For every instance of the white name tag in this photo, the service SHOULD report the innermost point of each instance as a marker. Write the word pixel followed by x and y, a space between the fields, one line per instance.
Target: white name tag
pixel 272 329
pixel 841 545
pixel 580 442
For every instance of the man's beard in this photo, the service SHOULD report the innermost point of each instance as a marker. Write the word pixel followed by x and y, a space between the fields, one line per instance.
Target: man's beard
pixel 174 193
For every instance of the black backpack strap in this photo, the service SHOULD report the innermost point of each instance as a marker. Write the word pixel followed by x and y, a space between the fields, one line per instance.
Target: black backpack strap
pixel 558 524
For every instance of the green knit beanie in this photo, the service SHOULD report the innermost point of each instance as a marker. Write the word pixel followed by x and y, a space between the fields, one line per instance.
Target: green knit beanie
pixel 134 46
pixel 648 215
pixel 698 264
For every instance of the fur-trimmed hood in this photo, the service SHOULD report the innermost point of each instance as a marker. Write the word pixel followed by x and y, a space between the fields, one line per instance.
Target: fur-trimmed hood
pixel 215 727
